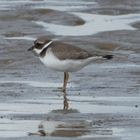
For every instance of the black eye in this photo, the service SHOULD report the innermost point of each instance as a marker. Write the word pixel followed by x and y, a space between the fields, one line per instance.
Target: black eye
pixel 38 46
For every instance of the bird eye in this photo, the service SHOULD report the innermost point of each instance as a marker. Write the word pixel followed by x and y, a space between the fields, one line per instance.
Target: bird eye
pixel 38 46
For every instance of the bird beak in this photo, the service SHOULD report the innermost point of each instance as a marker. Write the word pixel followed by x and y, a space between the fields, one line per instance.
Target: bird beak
pixel 30 49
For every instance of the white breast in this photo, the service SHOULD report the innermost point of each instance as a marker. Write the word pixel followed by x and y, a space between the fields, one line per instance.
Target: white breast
pixel 67 65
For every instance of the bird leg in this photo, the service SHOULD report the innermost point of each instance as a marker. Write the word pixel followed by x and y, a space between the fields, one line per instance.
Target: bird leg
pixel 66 77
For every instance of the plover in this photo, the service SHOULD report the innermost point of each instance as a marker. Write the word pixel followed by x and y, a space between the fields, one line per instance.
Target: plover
pixel 63 57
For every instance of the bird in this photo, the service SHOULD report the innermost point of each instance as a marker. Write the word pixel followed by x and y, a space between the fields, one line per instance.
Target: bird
pixel 64 57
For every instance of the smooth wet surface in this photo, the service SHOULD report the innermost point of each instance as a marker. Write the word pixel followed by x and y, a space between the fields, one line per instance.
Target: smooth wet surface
pixel 102 100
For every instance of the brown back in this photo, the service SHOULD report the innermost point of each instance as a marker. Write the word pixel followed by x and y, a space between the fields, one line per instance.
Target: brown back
pixel 66 51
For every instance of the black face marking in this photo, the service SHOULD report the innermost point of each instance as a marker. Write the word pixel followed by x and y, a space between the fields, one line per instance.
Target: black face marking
pixel 38 46
pixel 43 52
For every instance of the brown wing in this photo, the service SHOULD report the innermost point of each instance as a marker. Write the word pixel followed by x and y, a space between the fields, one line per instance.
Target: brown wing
pixel 66 51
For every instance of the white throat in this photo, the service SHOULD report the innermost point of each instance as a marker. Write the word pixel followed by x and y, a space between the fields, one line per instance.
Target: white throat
pixel 38 51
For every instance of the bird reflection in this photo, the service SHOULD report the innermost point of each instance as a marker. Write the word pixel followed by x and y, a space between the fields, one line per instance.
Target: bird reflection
pixel 65 102
pixel 57 127
pixel 61 128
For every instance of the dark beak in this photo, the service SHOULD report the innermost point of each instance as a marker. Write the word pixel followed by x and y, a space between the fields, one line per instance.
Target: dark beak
pixel 30 49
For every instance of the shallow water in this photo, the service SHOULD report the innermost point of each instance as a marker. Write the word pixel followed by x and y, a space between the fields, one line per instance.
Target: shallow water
pixel 102 100
pixel 13 126
pixel 93 24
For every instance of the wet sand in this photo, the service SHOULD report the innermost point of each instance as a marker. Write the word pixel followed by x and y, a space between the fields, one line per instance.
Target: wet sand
pixel 102 100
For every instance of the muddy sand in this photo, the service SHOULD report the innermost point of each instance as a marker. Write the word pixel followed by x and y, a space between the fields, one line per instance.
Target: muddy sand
pixel 102 100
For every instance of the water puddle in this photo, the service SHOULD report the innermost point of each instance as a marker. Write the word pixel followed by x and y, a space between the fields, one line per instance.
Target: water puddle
pixel 63 104
pixel 120 99
pixel 10 5
pixel 93 24
pixel 36 83
pixel 86 114
pixel 62 129
pixel 22 38
pixel 22 128
pixel 89 105
pixel 64 5
pixel 17 128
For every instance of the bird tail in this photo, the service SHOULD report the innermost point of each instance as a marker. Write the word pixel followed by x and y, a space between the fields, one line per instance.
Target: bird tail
pixel 108 57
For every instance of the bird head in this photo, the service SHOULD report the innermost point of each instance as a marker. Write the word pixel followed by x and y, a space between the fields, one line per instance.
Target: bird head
pixel 39 45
